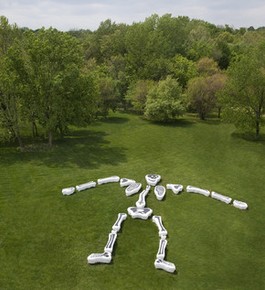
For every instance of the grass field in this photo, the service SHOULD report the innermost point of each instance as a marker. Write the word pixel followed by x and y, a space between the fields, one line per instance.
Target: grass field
pixel 45 237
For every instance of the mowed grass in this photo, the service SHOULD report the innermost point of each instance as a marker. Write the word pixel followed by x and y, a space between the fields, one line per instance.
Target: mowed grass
pixel 45 237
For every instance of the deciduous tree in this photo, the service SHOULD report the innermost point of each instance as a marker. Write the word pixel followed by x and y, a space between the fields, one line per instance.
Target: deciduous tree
pixel 164 101
pixel 244 93
pixel 51 67
pixel 202 93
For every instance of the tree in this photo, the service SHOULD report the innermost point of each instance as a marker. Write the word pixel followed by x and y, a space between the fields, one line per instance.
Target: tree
pixel 164 101
pixel 183 69
pixel 137 94
pixel 222 51
pixel 202 93
pixel 50 65
pixel 8 33
pixel 207 66
pixel 108 95
pixel 10 101
pixel 10 87
pixel 244 94
pixel 200 42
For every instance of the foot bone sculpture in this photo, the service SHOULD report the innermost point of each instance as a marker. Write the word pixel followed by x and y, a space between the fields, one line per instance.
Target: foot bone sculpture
pixel 139 211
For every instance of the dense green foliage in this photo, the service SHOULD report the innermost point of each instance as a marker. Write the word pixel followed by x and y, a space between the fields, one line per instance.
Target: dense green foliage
pixel 164 101
pixel 52 79
pixel 46 237
pixel 244 94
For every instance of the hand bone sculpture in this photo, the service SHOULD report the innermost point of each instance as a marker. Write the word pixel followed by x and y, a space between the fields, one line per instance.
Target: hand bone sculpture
pixel 141 212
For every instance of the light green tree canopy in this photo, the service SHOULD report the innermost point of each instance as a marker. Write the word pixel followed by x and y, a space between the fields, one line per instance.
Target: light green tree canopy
pixel 164 101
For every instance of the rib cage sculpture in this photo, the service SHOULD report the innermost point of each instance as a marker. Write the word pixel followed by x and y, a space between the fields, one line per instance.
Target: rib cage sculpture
pixel 140 211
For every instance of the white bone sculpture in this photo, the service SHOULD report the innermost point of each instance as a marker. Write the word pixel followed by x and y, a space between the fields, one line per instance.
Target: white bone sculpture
pixel 194 189
pixel 108 179
pixel 87 185
pixel 176 188
pixel 117 225
pixel 158 221
pixel 160 192
pixel 240 204
pixel 126 182
pixel 152 179
pixel 165 265
pixel 161 249
pixel 99 258
pixel 68 190
pixel 110 243
pixel 140 203
pixel 223 198
pixel 133 188
pixel 142 212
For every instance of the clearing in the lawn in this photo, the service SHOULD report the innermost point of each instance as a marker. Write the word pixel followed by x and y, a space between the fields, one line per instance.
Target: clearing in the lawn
pixel 45 236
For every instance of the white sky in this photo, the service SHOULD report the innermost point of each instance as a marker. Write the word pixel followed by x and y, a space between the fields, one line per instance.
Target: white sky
pixel 87 14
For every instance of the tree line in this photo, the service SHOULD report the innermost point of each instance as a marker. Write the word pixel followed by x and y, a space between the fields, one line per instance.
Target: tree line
pixel 160 68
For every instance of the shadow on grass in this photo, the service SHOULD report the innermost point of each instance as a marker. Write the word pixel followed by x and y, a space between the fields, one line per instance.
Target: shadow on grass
pixel 83 148
pixel 115 120
pixel 209 121
pixel 179 123
pixel 251 137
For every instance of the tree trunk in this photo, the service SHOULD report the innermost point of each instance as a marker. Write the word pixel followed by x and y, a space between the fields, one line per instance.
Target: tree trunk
pixel 34 129
pixel 257 128
pixel 202 116
pixel 219 112
pixel 21 145
pixel 50 138
pixel 16 134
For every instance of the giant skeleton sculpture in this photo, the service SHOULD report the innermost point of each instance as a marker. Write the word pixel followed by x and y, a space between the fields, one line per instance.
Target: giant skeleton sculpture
pixel 142 212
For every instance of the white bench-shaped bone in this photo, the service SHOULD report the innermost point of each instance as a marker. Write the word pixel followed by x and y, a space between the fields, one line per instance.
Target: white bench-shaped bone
pixel 108 179
pixel 165 265
pixel 133 188
pixel 160 192
pixel 117 225
pixel 223 198
pixel 141 213
pixel 157 219
pixel 194 189
pixel 110 243
pixel 85 186
pixel 176 188
pixel 95 258
pixel 152 179
pixel 126 182
pixel 240 204
pixel 68 190
pixel 162 249
pixel 140 203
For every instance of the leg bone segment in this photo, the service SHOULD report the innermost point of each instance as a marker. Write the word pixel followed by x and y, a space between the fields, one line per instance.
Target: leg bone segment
pixel 111 241
pixel 117 225
pixel 162 249
pixel 158 221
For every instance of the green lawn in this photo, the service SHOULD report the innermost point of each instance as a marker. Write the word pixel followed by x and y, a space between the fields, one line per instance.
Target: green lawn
pixel 45 237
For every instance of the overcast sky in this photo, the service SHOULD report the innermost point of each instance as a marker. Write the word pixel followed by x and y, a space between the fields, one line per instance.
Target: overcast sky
pixel 87 14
